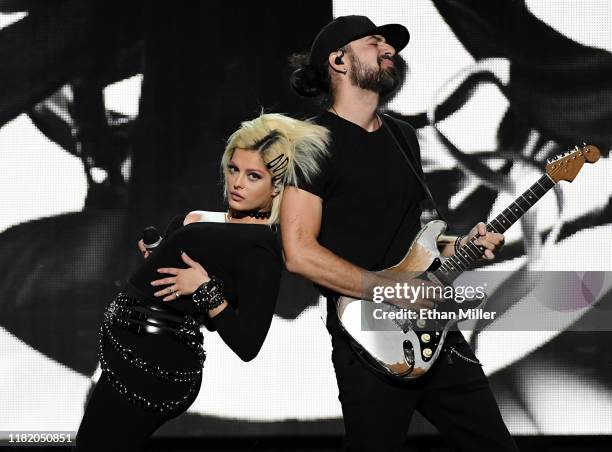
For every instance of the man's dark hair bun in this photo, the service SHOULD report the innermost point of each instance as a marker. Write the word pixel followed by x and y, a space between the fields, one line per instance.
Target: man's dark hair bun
pixel 308 80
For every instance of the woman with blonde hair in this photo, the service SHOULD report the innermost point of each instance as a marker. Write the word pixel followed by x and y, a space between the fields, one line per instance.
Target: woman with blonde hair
pixel 150 346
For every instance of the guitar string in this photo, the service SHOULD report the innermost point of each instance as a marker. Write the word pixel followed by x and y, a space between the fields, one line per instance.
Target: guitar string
pixel 555 170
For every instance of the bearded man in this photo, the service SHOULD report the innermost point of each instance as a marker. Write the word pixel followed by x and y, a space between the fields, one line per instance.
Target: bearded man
pixel 359 216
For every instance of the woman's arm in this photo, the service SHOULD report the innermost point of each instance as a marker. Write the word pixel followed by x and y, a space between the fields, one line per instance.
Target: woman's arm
pixel 245 328
pixel 173 225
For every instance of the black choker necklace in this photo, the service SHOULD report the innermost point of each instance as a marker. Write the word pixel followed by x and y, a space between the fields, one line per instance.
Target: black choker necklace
pixel 253 213
pixel 259 215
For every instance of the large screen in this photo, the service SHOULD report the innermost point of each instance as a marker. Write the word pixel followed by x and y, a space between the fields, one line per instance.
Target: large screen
pixel 493 92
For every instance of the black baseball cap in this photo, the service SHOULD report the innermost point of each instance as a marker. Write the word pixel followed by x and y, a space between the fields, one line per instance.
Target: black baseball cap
pixel 345 29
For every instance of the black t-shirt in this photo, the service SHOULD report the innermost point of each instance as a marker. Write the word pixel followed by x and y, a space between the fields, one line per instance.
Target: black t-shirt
pixel 245 257
pixel 371 197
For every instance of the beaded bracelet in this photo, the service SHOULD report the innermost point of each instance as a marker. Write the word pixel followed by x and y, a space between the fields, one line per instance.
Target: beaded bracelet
pixel 458 243
pixel 208 296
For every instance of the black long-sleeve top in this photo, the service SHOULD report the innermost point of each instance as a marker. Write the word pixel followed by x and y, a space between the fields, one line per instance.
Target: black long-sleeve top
pixel 245 257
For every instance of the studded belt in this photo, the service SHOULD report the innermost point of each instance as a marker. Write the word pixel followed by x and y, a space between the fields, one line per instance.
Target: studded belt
pixel 143 318
pixel 139 317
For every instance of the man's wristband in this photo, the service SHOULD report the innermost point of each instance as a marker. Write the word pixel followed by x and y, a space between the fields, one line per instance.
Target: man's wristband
pixel 458 243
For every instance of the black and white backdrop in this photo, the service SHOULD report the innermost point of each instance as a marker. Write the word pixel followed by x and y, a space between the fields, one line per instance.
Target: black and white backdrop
pixel 113 117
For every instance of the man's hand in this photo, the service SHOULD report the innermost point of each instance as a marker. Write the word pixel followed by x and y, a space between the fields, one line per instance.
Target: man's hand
pixel 492 241
pixel 143 249
pixel 184 280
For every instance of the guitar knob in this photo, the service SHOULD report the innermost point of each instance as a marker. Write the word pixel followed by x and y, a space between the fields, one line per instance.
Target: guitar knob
pixel 421 323
pixel 427 352
pixel 425 337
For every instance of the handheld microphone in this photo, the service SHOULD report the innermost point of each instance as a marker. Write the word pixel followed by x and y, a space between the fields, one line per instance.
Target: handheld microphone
pixel 151 238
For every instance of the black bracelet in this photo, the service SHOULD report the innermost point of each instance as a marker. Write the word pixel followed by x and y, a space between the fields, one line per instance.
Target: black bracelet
pixel 458 243
pixel 208 296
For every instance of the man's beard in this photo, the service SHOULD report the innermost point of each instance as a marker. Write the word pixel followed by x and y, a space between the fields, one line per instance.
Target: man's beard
pixel 380 80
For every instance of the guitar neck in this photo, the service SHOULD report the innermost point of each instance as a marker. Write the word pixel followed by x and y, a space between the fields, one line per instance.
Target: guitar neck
pixel 468 254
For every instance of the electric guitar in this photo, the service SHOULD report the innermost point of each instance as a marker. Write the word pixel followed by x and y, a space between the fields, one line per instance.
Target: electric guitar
pixel 407 348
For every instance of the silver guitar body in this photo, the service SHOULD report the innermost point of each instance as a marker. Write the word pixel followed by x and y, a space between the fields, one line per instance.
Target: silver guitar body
pixel 405 349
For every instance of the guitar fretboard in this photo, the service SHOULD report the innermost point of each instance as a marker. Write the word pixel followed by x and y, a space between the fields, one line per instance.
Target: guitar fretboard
pixel 469 253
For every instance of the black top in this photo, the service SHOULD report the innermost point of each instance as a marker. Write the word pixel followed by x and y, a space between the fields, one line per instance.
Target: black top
pixel 245 257
pixel 371 197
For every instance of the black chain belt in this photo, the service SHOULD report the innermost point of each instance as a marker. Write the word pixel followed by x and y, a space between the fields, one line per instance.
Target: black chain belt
pixel 131 314
pixel 127 312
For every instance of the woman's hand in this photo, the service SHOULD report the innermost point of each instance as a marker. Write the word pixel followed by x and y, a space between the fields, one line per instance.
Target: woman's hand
pixel 184 280
pixel 141 247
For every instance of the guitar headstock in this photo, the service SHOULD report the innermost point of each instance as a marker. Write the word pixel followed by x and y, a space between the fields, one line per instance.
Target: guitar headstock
pixel 567 165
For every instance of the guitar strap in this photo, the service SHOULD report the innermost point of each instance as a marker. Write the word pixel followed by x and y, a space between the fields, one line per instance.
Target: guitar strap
pixel 394 129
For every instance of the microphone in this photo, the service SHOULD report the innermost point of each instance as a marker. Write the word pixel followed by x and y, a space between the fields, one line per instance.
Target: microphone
pixel 151 238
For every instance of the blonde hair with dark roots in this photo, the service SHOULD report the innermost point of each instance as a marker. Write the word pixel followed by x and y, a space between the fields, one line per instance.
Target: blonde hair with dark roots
pixel 285 145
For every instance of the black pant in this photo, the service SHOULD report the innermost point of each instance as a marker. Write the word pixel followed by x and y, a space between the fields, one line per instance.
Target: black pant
pixel 455 397
pixel 111 421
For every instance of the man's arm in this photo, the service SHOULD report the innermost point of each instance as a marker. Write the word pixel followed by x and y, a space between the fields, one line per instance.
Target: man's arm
pixel 446 244
pixel 300 221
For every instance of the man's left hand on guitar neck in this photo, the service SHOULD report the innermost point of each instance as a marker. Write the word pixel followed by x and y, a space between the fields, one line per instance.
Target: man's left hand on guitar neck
pixel 492 241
